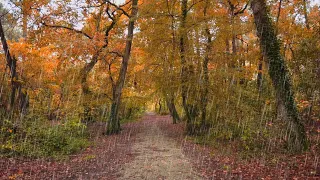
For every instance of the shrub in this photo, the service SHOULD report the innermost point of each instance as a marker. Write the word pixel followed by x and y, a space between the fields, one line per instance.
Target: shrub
pixel 40 138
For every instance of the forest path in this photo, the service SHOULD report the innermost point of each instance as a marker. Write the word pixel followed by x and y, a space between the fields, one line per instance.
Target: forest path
pixel 158 156
pixel 154 148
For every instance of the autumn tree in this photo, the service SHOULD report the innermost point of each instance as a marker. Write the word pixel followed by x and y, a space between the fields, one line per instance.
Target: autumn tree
pixel 113 122
pixel 280 76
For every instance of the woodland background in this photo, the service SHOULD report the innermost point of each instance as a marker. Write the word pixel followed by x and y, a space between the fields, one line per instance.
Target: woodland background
pixel 212 64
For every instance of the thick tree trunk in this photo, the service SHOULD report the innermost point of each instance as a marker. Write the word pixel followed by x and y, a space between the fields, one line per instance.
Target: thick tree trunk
pixel 184 75
pixel 186 72
pixel 279 74
pixel 169 95
pixel 172 109
pixel 87 116
pixel 12 64
pixel 114 123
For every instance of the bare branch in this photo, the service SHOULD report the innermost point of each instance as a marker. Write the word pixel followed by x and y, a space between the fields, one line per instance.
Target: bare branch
pixel 119 7
pixel 195 3
pixel 242 10
pixel 118 54
pixel 68 28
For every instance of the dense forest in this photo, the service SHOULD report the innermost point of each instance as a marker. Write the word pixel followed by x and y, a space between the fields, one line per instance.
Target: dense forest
pixel 237 76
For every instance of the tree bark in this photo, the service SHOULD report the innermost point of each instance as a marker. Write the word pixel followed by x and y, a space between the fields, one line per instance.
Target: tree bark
pixel 114 123
pixel 259 76
pixel 24 20
pixel 89 66
pixel 169 91
pixel 186 72
pixel 87 116
pixel 297 140
pixel 12 64
pixel 205 77
pixel 306 13
pixel 172 109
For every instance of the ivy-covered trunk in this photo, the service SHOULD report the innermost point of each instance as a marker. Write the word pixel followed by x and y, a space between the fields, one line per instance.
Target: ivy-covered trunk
pixel 114 122
pixel 287 110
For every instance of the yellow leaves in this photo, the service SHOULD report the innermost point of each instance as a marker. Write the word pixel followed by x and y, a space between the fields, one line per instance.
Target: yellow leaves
pixel 303 104
pixel 267 102
pixel 15 176
pixel 54 88
pixel 138 68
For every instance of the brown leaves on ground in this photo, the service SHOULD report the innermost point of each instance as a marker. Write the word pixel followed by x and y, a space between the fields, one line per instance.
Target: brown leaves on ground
pixel 213 163
pixel 100 161
pixel 107 157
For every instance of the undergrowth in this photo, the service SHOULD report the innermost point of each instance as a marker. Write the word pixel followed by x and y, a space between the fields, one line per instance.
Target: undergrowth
pixel 38 137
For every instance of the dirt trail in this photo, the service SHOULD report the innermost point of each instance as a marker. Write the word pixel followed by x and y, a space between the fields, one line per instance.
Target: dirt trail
pixel 158 156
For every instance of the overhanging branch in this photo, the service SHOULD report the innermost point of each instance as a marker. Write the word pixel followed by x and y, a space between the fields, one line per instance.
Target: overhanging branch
pixel 68 28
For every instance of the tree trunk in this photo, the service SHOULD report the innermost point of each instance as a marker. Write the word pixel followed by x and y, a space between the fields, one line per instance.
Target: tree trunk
pixel 306 13
pixel 24 20
pixel 172 109
pixel 170 93
pixel 205 77
pixel 184 75
pixel 87 116
pixel 114 123
pixel 160 106
pixel 297 140
pixel 89 66
pixel 186 72
pixel 12 64
pixel 259 76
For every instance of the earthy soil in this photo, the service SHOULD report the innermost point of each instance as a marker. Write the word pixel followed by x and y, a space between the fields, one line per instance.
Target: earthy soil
pixel 158 156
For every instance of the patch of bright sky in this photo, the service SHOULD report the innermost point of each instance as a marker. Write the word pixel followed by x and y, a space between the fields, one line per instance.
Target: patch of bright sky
pixel 313 2
pixel 122 1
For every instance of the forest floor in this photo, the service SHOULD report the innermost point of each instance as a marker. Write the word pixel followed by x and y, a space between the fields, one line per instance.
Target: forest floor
pixel 154 148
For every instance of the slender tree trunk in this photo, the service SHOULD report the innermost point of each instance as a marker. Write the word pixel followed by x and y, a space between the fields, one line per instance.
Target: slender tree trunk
pixel 259 76
pixel 160 106
pixel 114 123
pixel 205 77
pixel 279 74
pixel 279 12
pixel 24 20
pixel 306 13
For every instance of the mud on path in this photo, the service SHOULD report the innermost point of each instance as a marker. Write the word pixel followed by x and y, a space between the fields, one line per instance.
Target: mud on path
pixel 158 156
